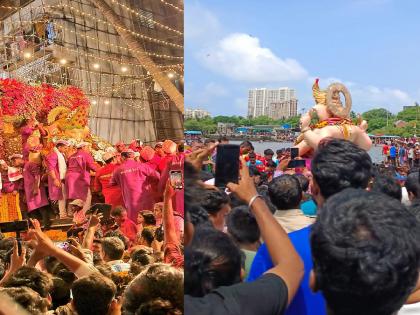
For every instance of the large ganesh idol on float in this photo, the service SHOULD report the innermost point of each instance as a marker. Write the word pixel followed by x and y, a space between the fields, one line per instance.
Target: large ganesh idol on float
pixel 329 118
pixel 31 115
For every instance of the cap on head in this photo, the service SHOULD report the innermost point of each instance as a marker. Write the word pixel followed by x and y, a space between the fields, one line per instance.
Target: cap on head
pixel 107 156
pixel 82 145
pixel 169 147
pixel 62 142
pixel 15 156
pixel 147 153
pixel 77 202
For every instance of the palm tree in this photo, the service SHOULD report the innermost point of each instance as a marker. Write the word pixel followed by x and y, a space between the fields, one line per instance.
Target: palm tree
pixel 139 53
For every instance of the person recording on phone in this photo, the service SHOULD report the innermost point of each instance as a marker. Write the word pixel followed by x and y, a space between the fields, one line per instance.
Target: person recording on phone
pixel 210 289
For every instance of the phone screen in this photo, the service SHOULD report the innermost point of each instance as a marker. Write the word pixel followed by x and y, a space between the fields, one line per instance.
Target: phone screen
pixel 63 245
pixel 176 179
pixel 15 226
pixel 294 153
pixel 227 164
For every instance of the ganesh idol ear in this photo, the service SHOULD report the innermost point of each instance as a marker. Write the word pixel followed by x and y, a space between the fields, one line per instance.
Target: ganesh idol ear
pixel 334 104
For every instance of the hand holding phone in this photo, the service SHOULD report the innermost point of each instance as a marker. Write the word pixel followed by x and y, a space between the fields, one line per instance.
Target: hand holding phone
pixel 227 164
pixel 176 179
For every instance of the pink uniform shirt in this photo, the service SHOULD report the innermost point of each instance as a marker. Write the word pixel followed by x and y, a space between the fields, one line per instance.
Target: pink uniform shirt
pixel 138 182
pixel 31 176
pixel 78 175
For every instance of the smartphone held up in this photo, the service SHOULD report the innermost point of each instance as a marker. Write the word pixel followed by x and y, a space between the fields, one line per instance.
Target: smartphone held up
pixel 227 164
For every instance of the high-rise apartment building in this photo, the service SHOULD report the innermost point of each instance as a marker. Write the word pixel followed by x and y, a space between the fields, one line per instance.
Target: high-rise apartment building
pixel 260 102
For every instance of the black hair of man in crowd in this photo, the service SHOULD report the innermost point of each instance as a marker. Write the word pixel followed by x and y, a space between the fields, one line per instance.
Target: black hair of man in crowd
pixel 285 192
pixel 365 252
pixel 242 226
pixel 93 295
pixel 212 260
pixel 412 184
pixel 387 186
pixel 339 164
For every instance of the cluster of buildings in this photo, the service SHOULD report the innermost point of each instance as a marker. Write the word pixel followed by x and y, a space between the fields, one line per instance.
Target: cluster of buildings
pixel 278 103
pixel 196 113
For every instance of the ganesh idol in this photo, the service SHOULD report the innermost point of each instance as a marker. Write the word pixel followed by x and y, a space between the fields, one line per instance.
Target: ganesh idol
pixel 329 118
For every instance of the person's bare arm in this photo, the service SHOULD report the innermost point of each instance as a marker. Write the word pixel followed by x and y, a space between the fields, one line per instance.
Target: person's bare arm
pixel 169 228
pixel 90 233
pixel 43 246
pixel 16 261
pixel 287 263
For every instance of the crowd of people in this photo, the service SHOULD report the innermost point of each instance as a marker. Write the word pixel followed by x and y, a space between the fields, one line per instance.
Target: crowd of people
pixel 402 153
pixel 337 236
pixel 130 262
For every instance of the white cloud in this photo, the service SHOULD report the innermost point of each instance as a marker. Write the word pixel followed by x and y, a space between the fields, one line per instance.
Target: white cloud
pixel 365 97
pixel 200 23
pixel 242 58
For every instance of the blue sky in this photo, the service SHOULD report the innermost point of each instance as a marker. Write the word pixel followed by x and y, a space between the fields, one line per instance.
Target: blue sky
pixel 373 46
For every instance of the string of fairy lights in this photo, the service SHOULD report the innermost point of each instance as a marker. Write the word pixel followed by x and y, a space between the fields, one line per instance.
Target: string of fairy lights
pixel 96 66
pixel 106 90
pixel 118 46
pixel 143 16
pixel 139 14
pixel 172 6
pixel 142 36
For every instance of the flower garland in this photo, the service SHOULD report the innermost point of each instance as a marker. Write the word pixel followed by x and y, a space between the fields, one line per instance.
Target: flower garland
pixel 20 99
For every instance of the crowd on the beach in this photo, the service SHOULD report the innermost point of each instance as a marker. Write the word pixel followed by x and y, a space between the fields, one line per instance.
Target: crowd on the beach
pixel 130 262
pixel 337 236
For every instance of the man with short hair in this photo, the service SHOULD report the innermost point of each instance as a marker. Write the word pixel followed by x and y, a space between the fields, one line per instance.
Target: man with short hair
pixel 94 295
pixel 136 181
pixel 56 170
pixel 365 253
pixel 112 253
pixel 286 194
pixel 243 228
pixel 268 156
pixel 217 205
pixel 32 278
pixel 337 164
pixel 126 226
pixel 393 154
pixel 412 184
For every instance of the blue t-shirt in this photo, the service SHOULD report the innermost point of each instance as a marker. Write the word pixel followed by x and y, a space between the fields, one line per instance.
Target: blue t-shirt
pixel 257 163
pixel 393 152
pixel 308 207
pixel 305 301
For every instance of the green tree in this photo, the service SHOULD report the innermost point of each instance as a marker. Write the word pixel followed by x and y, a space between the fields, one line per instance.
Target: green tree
pixel 410 114
pixel 377 113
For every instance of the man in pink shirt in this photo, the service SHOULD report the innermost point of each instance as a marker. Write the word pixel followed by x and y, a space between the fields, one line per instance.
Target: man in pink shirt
pixel 35 193
pixel 56 168
pixel 126 226
pixel 169 148
pixel 137 182
pixel 148 156
pixel 78 173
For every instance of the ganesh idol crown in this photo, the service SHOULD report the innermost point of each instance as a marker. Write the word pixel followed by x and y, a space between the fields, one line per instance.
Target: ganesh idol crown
pixel 330 118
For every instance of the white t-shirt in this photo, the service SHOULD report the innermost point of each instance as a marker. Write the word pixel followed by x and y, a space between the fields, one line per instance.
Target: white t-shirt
pixel 411 153
pixel 410 309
